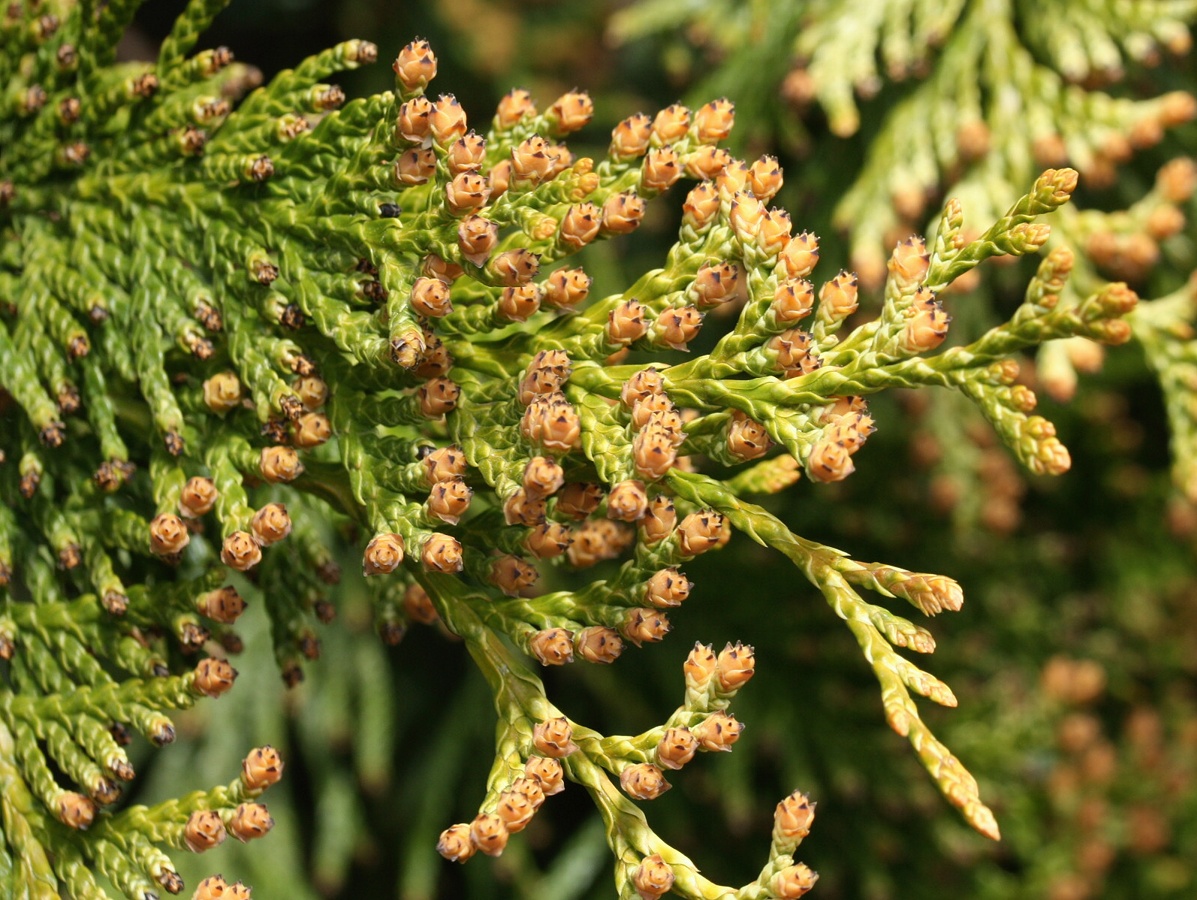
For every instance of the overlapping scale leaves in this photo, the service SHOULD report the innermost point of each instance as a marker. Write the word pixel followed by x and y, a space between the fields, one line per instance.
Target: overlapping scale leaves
pixel 970 97
pixel 236 318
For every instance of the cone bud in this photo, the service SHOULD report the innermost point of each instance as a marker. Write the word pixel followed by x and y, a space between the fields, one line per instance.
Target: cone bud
pixel 598 644
pixel 653 878
pixel 630 138
pixel 261 768
pixel 552 646
pixel 383 554
pixel 271 524
pixel 455 844
pixel 547 772
pixel 214 677
pixel 198 497
pixel 718 732
pixel 645 625
pixel 553 738
pixel 643 781
pixel 250 821
pixel 489 834
pixel 240 551
pixel 204 830
pixel 168 535
pixel 415 66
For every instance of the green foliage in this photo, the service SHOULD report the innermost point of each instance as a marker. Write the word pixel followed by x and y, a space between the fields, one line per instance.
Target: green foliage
pixel 252 335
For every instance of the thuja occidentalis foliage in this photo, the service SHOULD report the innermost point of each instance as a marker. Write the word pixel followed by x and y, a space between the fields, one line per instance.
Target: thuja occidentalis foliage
pixel 225 325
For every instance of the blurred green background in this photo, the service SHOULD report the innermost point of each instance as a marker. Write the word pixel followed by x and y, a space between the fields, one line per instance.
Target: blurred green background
pixel 1074 658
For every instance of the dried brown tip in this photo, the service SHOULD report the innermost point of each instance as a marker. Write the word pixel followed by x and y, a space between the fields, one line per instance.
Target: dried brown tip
pixel 192 636
pixel 111 474
pixel 161 731
pixel 311 390
pixel 70 556
pixel 53 434
pixel 171 881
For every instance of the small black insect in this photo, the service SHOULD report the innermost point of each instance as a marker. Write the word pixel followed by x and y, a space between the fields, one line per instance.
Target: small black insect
pixel 389 210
